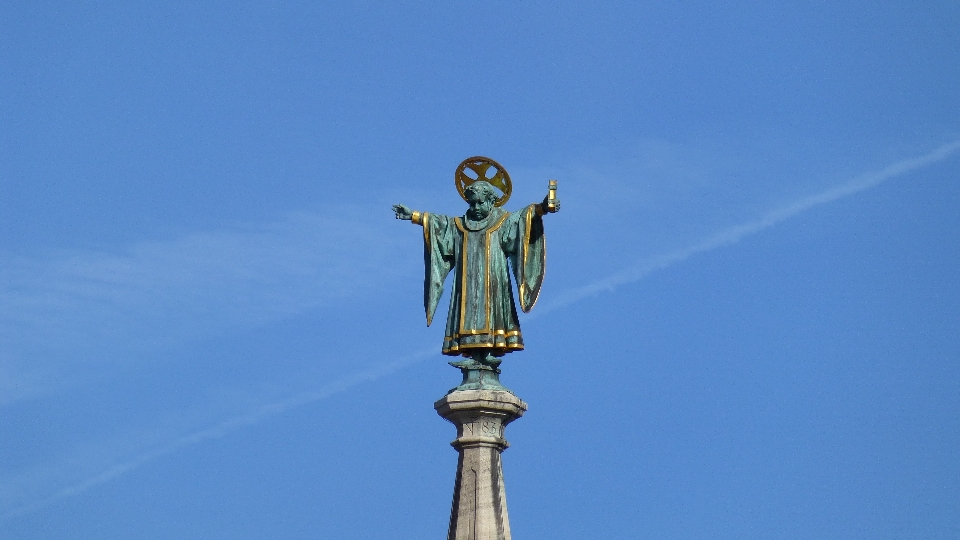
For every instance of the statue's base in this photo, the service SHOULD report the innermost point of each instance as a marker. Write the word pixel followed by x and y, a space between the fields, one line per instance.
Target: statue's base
pixel 479 375
pixel 479 500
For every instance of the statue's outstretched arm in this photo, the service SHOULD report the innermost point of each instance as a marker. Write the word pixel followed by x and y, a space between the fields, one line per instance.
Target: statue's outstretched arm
pixel 403 212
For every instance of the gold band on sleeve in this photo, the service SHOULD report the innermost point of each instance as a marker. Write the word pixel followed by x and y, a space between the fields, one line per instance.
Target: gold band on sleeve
pixel 417 218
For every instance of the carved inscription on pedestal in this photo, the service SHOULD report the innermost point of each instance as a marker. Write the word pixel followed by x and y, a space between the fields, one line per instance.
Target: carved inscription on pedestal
pixel 481 426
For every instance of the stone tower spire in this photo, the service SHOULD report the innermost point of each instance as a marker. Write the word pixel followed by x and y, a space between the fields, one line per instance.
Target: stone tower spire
pixel 479 509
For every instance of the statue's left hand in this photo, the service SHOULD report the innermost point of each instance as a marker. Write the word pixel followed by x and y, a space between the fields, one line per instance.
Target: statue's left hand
pixel 545 208
pixel 402 212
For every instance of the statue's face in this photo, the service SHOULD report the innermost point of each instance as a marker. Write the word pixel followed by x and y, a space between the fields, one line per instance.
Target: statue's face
pixel 480 206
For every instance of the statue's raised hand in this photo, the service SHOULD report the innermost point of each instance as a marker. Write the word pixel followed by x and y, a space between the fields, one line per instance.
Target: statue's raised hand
pixel 402 212
pixel 549 206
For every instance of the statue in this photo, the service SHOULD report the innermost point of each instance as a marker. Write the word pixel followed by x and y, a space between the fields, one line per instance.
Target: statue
pixel 482 323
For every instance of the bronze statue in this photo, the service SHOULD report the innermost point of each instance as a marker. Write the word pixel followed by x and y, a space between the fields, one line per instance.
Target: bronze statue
pixel 482 323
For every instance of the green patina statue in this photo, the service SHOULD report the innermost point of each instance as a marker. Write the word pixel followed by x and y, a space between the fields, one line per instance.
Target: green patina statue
pixel 482 323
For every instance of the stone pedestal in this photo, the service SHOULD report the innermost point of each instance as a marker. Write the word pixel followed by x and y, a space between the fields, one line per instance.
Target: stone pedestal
pixel 479 501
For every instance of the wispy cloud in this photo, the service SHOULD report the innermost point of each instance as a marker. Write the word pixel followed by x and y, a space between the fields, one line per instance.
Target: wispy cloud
pixel 734 234
pixel 195 269
pixel 70 308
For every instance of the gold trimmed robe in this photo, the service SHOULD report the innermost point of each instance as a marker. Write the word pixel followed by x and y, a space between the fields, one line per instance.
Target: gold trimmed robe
pixel 482 312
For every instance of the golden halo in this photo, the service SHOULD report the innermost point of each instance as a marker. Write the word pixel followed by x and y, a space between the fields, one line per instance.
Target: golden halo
pixel 480 168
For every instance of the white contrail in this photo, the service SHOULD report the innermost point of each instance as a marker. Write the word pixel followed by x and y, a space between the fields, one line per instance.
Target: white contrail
pixel 641 269
pixel 734 234
pixel 226 426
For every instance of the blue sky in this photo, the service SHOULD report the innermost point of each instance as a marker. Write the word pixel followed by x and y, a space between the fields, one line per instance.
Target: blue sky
pixel 211 325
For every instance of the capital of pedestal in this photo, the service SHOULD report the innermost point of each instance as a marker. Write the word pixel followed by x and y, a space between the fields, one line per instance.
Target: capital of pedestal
pixel 480 416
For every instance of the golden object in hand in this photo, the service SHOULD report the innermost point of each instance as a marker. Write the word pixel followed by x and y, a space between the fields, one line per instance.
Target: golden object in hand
pixel 552 196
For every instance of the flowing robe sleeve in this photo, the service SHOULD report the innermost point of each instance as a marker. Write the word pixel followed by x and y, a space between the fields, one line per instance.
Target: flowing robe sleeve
pixel 526 246
pixel 438 258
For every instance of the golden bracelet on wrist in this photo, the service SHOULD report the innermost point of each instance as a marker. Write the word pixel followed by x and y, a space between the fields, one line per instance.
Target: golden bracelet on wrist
pixel 417 217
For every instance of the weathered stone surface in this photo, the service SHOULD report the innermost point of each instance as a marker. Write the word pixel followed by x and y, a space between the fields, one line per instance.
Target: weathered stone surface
pixel 479 509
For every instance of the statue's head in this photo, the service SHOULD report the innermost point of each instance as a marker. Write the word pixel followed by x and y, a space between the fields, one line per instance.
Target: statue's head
pixel 481 197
